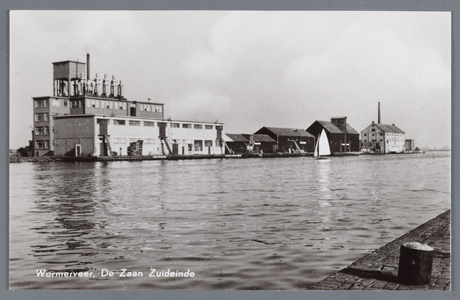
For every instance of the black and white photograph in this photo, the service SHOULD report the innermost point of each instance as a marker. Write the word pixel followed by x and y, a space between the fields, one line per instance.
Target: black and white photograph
pixel 230 150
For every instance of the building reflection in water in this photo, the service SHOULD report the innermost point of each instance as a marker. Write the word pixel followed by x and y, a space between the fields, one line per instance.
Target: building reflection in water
pixel 67 196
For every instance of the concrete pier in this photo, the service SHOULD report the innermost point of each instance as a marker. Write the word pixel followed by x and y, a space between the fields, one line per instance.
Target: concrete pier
pixel 379 270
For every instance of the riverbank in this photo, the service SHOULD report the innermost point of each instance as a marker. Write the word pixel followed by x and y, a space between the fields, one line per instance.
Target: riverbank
pixel 379 270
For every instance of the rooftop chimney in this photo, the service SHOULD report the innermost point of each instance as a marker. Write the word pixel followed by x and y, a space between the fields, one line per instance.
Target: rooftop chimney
pixel 87 67
pixel 379 114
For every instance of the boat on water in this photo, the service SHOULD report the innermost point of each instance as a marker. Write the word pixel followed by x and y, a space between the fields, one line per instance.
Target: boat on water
pixel 322 147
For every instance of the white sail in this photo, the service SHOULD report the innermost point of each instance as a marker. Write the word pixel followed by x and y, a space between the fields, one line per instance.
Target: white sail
pixel 315 154
pixel 323 144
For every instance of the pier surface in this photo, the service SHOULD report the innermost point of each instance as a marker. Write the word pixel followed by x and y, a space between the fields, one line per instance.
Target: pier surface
pixel 379 270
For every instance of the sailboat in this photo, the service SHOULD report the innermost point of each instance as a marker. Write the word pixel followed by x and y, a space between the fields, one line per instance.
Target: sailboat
pixel 322 147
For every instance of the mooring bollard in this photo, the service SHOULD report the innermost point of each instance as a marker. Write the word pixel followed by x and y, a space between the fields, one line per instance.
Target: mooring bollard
pixel 415 263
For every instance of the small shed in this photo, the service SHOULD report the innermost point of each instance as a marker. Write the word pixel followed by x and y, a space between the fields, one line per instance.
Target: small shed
pixel 236 143
pixel 289 139
pixel 261 143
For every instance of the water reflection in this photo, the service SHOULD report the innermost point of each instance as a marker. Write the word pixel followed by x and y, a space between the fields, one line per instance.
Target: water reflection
pixel 234 222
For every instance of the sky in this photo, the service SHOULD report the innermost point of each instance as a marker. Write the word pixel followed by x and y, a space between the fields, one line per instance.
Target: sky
pixel 249 69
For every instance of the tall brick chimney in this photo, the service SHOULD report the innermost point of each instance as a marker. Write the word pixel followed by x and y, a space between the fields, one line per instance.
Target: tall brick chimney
pixel 379 115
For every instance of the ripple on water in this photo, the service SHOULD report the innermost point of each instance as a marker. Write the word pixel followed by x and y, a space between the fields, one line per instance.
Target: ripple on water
pixel 238 224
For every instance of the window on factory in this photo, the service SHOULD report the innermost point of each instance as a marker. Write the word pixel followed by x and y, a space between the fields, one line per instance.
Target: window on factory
pixel 88 103
pixel 41 144
pixel 157 108
pixel 208 143
pixel 186 125
pixel 119 122
pixel 147 107
pixel 198 126
pixel 175 125
pixel 111 104
pixel 56 103
pixel 134 140
pixel 134 123
pixel 208 127
pixel 38 117
pixel 39 131
pixel 124 106
pixel 119 141
pixel 97 103
pixel 45 117
pixel 120 105
pixel 65 102
pixel 41 103
pixel 149 124
pixel 187 142
pixel 198 145
pixel 149 141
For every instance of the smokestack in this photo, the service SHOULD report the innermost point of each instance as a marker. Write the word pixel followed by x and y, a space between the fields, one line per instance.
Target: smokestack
pixel 379 115
pixel 87 67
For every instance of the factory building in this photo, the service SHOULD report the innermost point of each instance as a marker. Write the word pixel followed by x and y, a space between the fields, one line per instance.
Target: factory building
pixel 91 117
pixel 289 140
pixel 102 135
pixel 342 137
pixel 382 138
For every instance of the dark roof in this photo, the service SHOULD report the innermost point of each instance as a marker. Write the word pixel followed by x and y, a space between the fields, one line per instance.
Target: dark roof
pixel 334 129
pixel 237 137
pixel 263 138
pixel 389 128
pixel 289 131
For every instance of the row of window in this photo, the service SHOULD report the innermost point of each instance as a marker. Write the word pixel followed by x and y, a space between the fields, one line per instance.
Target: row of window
pixel 41 103
pixel 41 130
pixel 106 104
pixel 41 117
pixel 152 124
pixel 198 144
pixel 151 107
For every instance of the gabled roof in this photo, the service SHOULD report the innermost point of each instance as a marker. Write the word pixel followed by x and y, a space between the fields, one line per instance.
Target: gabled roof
pixel 389 128
pixel 263 138
pixel 289 131
pixel 334 129
pixel 236 137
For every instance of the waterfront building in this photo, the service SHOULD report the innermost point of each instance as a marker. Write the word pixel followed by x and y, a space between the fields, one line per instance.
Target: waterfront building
pixel 342 137
pixel 383 138
pixel 289 139
pixel 102 135
pixel 236 143
pixel 261 143
pixel 409 145
pixel 91 117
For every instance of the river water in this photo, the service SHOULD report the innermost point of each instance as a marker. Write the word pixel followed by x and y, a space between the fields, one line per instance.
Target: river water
pixel 275 223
